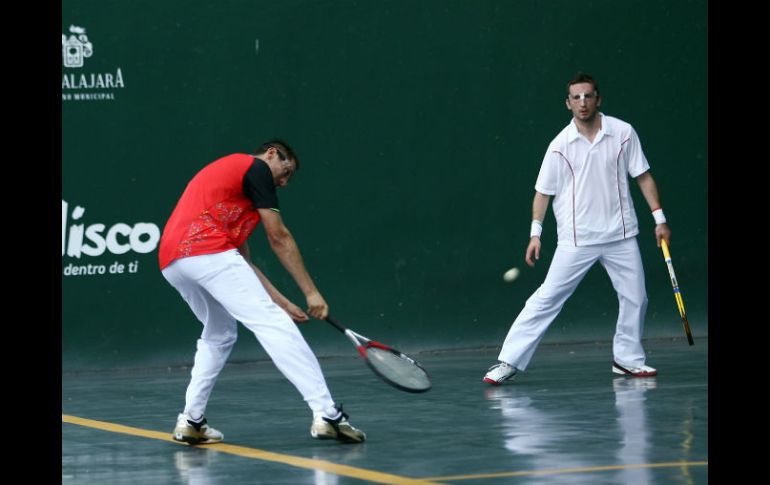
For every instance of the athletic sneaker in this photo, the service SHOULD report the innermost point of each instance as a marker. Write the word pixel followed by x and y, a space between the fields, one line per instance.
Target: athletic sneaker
pixel 339 429
pixel 643 371
pixel 195 432
pixel 499 372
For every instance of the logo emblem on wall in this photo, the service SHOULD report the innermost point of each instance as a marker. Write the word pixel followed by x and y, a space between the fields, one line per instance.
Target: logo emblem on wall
pixel 85 86
pixel 75 48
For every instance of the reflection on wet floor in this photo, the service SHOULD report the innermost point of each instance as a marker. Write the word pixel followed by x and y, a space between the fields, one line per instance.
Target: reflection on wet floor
pixel 568 419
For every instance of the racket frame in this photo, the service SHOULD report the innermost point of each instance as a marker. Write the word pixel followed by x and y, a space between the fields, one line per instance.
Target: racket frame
pixel 363 343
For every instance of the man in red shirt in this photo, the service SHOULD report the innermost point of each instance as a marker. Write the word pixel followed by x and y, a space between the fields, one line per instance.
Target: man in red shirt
pixel 204 255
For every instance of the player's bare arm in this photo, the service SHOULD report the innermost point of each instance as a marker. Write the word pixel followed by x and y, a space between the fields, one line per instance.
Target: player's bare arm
pixel 650 191
pixel 539 208
pixel 285 248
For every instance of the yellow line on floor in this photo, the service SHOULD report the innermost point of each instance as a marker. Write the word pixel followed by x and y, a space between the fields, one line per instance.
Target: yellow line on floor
pixel 326 466
pixel 558 471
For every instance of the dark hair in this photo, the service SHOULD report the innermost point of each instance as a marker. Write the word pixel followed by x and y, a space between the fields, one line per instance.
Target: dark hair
pixel 281 146
pixel 582 77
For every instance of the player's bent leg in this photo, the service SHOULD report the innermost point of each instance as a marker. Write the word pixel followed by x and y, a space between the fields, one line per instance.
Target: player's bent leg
pixel 238 289
pixel 213 348
pixel 249 303
pixel 568 268
pixel 209 361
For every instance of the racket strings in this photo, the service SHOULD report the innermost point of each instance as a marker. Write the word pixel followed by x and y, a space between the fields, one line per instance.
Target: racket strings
pixel 401 371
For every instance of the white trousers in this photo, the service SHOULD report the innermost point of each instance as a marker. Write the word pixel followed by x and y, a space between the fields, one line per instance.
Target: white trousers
pixel 221 290
pixel 623 264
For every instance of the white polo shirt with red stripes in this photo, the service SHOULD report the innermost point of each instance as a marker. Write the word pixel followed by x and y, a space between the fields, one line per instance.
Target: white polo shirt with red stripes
pixel 590 182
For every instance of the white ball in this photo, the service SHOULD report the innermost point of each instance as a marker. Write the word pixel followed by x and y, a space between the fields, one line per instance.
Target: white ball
pixel 511 274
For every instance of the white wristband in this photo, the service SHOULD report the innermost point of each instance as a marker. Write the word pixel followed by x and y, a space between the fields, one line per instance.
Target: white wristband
pixel 659 217
pixel 536 229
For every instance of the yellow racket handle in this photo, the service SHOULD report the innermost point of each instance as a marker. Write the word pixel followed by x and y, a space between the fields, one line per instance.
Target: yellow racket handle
pixel 672 274
pixel 666 254
pixel 680 304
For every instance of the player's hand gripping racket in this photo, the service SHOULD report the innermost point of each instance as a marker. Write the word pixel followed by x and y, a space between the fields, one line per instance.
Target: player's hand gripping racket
pixel 677 293
pixel 394 367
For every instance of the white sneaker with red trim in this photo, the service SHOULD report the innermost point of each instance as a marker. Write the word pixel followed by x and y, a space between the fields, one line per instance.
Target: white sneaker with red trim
pixel 499 373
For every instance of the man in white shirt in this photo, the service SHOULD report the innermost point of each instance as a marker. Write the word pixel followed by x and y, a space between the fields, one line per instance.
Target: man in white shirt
pixel 586 168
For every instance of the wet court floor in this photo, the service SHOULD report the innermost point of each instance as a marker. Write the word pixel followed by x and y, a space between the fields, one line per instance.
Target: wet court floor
pixel 568 419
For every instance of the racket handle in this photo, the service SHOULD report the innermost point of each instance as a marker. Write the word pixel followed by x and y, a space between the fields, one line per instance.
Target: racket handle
pixel 664 247
pixel 334 323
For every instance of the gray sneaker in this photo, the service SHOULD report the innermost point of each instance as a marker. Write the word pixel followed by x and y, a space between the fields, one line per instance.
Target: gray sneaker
pixel 339 429
pixel 195 432
pixel 499 372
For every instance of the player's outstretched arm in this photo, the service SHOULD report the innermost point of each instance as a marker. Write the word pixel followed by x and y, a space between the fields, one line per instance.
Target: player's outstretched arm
pixel 285 248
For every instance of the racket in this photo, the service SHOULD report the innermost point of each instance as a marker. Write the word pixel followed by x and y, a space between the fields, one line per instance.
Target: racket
pixel 677 293
pixel 394 367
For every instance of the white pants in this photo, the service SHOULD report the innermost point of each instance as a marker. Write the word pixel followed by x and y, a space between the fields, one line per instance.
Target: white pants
pixel 221 289
pixel 623 264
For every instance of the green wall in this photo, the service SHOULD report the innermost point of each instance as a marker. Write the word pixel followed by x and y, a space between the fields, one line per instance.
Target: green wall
pixel 420 125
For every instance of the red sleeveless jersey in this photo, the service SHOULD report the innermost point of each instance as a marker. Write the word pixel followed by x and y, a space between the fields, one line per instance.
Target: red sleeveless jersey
pixel 213 214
